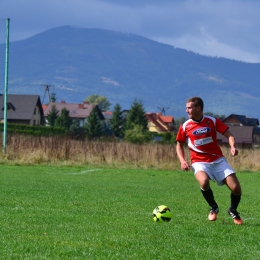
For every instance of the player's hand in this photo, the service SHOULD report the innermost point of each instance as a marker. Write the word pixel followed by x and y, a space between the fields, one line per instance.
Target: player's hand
pixel 185 166
pixel 234 151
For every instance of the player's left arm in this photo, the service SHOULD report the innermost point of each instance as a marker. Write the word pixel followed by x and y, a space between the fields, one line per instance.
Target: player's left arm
pixel 232 142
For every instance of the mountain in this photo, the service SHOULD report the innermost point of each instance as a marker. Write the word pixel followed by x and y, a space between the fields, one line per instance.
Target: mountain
pixel 80 62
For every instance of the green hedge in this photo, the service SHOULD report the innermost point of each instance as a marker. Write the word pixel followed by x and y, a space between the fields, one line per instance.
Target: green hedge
pixel 33 130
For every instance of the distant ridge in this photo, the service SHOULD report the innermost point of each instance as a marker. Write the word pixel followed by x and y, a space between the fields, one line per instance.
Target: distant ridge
pixel 80 62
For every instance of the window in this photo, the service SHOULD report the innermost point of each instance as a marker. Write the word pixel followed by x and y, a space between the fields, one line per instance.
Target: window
pixel 10 107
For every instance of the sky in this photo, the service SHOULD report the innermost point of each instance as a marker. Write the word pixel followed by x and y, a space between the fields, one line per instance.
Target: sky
pixel 224 28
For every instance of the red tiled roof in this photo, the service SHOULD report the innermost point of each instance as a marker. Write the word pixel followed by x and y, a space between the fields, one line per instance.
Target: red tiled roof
pixel 76 110
pixel 167 119
pixel 161 122
pixel 153 119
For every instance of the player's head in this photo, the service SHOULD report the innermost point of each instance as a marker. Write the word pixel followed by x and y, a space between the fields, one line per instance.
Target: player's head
pixel 194 108
pixel 197 102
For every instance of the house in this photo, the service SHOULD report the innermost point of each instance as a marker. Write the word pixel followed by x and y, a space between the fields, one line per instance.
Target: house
pixel 242 134
pixel 245 130
pixel 157 123
pixel 240 120
pixel 22 109
pixel 78 112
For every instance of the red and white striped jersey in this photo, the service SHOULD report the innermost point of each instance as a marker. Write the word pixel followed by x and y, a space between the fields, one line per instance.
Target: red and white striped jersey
pixel 202 138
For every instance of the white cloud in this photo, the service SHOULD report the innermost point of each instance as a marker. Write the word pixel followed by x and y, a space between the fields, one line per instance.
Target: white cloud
pixel 210 46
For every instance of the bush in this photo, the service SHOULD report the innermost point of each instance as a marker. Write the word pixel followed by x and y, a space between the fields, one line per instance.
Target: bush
pixel 138 135
pixel 33 130
pixel 166 137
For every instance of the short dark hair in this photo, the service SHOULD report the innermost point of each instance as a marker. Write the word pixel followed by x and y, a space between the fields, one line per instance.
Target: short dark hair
pixel 197 102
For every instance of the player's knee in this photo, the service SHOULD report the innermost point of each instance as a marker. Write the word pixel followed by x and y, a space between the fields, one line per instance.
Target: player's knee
pixel 237 189
pixel 204 184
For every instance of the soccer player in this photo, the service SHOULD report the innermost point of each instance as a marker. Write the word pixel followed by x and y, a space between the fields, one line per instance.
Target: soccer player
pixel 207 160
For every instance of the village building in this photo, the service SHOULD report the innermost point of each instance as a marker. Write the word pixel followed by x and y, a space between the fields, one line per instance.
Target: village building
pixel 78 112
pixel 158 123
pixel 22 109
pixel 244 129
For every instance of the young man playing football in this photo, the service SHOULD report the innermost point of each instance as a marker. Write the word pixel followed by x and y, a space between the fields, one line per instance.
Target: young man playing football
pixel 207 160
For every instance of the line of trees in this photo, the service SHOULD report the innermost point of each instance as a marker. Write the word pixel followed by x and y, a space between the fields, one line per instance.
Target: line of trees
pixel 132 126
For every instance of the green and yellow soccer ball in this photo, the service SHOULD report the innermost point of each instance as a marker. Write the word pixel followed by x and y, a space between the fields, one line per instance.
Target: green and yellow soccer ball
pixel 162 213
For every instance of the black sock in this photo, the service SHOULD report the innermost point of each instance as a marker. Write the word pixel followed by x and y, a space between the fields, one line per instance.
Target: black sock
pixel 235 199
pixel 209 197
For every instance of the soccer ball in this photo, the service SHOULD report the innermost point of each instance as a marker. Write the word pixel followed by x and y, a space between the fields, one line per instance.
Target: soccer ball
pixel 162 213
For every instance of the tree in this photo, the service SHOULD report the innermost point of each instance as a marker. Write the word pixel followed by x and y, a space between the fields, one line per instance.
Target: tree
pixel 93 127
pixel 179 121
pixel 64 120
pixel 107 130
pixel 102 101
pixel 136 127
pixel 76 131
pixel 117 121
pixel 136 116
pixel 138 135
pixel 52 116
pixel 53 97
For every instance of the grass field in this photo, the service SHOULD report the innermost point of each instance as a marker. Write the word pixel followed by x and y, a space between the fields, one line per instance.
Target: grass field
pixel 103 213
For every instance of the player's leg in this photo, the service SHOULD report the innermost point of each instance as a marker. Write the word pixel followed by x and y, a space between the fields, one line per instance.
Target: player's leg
pixel 203 180
pixel 233 184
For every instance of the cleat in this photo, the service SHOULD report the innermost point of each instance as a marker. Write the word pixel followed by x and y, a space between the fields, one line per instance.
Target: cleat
pixel 213 213
pixel 235 215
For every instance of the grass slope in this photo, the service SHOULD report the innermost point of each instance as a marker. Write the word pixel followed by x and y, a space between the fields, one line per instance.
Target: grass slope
pixel 102 213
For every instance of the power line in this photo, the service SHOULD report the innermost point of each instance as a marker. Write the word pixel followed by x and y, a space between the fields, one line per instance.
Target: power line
pixel 163 109
pixel 46 90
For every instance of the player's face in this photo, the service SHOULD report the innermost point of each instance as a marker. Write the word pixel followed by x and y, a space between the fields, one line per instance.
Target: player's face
pixel 193 111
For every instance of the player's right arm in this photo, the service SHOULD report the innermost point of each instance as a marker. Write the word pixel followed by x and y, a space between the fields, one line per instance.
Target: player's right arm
pixel 181 155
